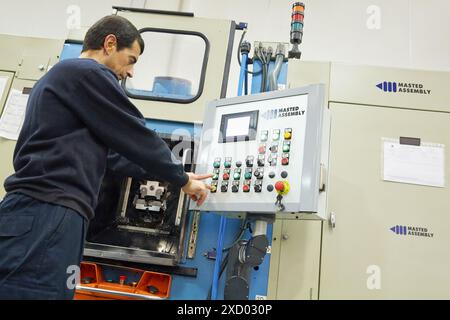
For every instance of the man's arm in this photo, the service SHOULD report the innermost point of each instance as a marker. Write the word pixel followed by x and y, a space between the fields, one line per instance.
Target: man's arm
pixel 100 103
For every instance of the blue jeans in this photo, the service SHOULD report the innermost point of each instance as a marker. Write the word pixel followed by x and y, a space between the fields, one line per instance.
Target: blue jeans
pixel 38 242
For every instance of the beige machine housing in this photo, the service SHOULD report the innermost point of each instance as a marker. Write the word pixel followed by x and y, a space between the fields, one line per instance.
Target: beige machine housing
pixel 356 255
pixel 23 61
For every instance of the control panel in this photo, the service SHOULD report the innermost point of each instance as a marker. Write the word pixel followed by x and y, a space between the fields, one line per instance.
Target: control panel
pixel 265 152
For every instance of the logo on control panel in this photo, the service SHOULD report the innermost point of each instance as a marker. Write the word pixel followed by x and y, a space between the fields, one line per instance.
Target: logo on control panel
pixel 403 87
pixel 283 113
pixel 412 231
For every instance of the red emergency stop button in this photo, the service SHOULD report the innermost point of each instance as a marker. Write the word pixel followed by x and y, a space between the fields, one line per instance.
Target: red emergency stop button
pixel 280 186
pixel 246 188
pixel 285 161
pixel 226 176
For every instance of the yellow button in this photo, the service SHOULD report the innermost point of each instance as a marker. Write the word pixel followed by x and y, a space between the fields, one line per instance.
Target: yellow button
pixel 287 136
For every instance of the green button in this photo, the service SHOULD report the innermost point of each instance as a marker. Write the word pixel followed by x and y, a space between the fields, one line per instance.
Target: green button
pixel 248 175
pixel 216 165
pixel 215 177
pixel 286 148
pixel 276 137
pixel 227 164
pixel 237 176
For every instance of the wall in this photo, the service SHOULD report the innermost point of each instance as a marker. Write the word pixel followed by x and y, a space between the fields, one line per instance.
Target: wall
pixel 411 33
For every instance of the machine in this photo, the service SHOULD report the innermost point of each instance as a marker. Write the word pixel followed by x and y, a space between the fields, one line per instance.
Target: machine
pixel 322 187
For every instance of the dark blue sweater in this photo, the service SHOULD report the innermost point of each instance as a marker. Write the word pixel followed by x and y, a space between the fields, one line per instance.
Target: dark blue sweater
pixel 79 117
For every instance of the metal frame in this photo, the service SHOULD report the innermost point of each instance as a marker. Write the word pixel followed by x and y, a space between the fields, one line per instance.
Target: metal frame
pixel 202 75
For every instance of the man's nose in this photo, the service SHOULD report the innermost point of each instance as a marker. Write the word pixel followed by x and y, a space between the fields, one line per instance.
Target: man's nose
pixel 130 73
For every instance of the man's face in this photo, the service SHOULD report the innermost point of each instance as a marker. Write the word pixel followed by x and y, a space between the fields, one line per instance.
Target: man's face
pixel 122 62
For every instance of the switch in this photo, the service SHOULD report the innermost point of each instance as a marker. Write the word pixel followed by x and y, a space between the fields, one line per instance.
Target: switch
pixel 288 134
pixel 248 175
pixel 261 161
pixel 273 160
pixel 264 135
pixel 227 163
pixel 274 148
pixel 276 135
pixel 284 174
pixel 226 176
pixel 237 176
pixel 249 161
pixel 246 188
pixel 272 175
pixel 239 164
pixel 258 188
pixel 270 188
pixel 235 188
pixel 215 176
pixel 262 149
pixel 285 161
pixel 286 147
pixel 213 188
pixel 216 164
pixel 259 174
pixel 282 187
pixel 224 187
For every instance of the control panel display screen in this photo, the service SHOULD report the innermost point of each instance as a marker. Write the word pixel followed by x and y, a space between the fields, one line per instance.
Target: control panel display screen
pixel 238 127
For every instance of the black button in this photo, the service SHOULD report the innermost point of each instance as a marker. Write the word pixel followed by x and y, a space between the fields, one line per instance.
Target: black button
pixel 235 189
pixel 258 188
pixel 270 188
pixel 284 174
pixel 272 175
pixel 239 164
pixel 224 188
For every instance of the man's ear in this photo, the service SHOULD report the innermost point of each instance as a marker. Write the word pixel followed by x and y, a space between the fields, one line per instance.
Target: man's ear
pixel 109 44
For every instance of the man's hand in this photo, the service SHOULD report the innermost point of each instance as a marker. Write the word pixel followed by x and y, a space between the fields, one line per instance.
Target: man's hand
pixel 197 189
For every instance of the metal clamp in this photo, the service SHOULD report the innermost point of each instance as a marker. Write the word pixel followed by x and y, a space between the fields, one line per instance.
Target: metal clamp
pixel 332 220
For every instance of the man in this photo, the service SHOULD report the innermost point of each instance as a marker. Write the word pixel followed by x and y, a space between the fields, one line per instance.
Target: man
pixel 77 123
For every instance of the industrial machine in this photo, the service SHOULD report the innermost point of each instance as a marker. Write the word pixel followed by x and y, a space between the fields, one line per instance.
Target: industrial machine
pixel 329 180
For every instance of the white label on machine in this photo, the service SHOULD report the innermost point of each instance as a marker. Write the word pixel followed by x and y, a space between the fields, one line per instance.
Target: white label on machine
pixel 12 118
pixel 422 165
pixel 3 82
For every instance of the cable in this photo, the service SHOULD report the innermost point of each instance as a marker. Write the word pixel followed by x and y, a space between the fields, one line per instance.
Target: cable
pixel 222 269
pixel 239 54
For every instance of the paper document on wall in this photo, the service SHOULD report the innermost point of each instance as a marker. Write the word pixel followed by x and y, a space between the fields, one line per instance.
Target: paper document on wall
pixel 422 165
pixel 13 115
pixel 3 83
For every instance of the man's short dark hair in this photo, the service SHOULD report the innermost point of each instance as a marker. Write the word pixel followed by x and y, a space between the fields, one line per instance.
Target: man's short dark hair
pixel 125 32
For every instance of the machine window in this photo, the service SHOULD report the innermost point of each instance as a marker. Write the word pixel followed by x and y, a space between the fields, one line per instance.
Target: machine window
pixel 172 67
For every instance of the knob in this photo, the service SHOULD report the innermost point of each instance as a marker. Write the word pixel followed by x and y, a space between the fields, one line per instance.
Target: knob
pixel 257 173
pixel 226 176
pixel 285 161
pixel 285 237
pixel 246 188
pixel 249 163
pixel 261 163
pixel 234 189
pixel 224 188
pixel 258 188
